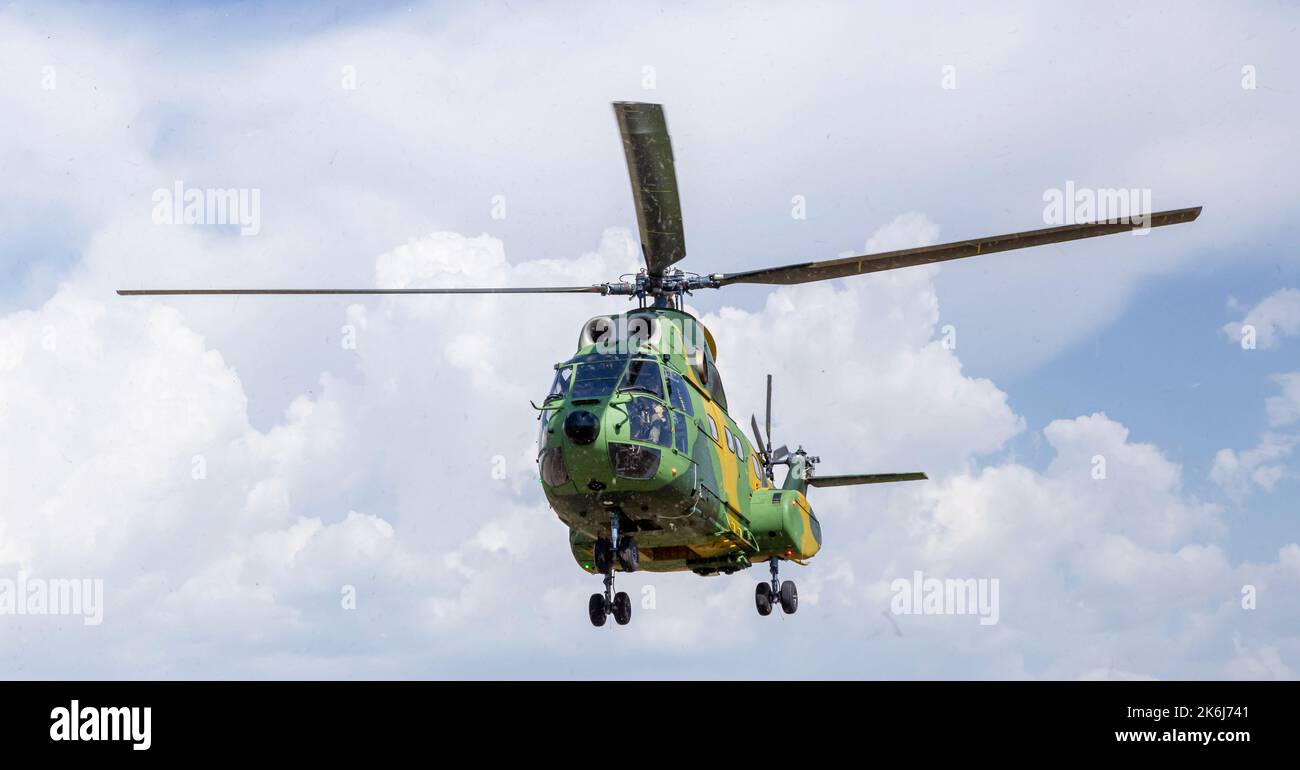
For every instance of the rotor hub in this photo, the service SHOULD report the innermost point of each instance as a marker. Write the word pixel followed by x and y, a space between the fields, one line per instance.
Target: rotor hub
pixel 666 290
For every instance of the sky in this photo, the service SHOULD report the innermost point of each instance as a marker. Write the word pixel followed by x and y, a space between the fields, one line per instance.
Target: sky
pixel 319 487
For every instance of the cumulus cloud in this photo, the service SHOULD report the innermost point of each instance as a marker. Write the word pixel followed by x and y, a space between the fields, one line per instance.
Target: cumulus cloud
pixel 1275 317
pixel 1263 466
pixel 1239 472
pixel 1285 409
pixel 235 474
pixel 408 484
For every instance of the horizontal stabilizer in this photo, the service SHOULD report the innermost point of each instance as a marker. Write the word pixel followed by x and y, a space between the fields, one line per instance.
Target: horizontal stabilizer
pixel 864 478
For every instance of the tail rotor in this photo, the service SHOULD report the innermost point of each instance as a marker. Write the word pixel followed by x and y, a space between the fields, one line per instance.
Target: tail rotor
pixel 763 441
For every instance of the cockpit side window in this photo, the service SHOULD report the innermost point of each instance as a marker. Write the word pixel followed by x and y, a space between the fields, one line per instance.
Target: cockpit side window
pixel 715 385
pixel 679 432
pixel 560 385
pixel 643 375
pixel 596 378
pixel 677 394
pixel 545 419
pixel 648 420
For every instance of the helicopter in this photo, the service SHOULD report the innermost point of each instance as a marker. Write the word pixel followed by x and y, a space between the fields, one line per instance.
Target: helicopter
pixel 637 453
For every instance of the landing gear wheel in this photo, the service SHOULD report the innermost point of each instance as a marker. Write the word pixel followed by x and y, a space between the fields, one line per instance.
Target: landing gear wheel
pixel 603 555
pixel 763 598
pixel 629 556
pixel 789 597
pixel 622 609
pixel 596 610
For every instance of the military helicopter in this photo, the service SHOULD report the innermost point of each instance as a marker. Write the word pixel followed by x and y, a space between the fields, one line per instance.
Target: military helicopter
pixel 637 453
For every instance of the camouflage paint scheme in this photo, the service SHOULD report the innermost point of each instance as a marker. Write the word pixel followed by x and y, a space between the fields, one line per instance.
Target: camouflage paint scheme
pixel 708 509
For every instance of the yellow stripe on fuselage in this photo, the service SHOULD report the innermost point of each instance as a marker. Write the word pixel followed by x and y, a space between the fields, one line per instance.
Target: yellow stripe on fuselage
pixel 728 465
pixel 808 544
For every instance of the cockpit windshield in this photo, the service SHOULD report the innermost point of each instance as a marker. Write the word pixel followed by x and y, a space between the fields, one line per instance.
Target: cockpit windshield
pixel 643 376
pixel 560 385
pixel 597 378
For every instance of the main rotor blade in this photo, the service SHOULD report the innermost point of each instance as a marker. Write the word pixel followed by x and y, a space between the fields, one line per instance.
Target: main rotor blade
pixel 889 260
pixel 650 166
pixel 759 445
pixel 497 290
pixel 864 478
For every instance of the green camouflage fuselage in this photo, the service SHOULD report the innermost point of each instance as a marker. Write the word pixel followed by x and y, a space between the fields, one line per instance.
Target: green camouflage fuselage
pixel 657 447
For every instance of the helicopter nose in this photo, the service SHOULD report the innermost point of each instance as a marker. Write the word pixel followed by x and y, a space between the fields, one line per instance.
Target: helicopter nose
pixel 581 427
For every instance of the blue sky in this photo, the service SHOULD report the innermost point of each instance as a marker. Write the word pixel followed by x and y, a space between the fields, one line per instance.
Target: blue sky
pixel 321 454
pixel 1167 371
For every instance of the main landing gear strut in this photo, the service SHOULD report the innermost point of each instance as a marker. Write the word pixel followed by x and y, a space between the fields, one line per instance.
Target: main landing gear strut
pixel 629 558
pixel 785 593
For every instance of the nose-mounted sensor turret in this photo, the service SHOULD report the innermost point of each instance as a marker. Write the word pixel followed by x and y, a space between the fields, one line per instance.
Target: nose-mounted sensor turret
pixel 581 427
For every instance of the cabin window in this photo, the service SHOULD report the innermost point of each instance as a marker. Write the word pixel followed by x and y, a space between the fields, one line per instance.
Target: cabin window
pixel 643 375
pixel 596 379
pixel 648 419
pixel 737 446
pixel 758 470
pixel 677 393
pixel 679 432
pixel 713 429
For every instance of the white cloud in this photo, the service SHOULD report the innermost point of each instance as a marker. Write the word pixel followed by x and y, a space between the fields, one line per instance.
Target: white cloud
pixel 457 573
pixel 1275 317
pixel 1284 409
pixel 328 467
pixel 1264 465
pixel 1264 662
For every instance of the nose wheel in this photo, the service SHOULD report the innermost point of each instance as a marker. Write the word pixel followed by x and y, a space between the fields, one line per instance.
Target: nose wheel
pixel 606 554
pixel 775 592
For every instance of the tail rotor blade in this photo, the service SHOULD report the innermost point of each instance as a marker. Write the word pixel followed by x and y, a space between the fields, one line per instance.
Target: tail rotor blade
pixel 759 443
pixel 769 414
